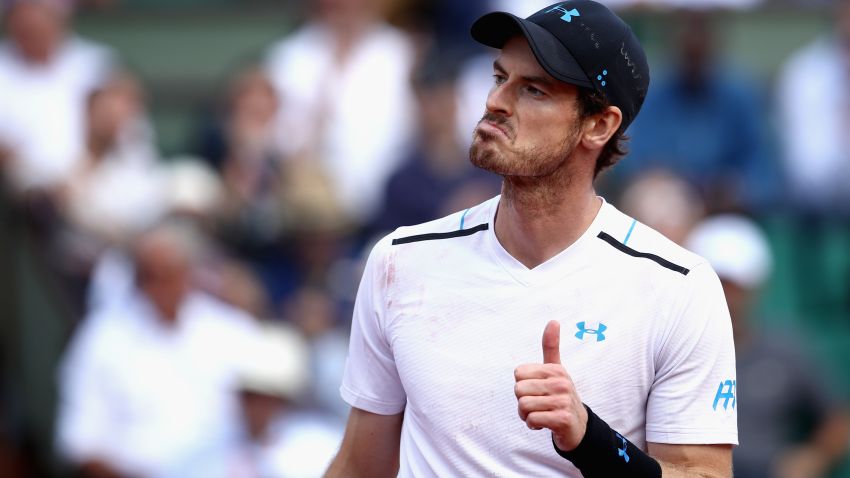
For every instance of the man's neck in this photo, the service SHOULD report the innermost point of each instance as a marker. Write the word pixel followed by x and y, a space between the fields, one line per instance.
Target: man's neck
pixel 538 218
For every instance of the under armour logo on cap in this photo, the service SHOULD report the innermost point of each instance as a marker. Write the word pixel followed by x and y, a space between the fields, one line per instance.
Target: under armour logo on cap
pixel 568 14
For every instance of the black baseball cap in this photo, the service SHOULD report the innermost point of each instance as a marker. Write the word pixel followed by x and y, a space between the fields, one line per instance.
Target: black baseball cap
pixel 580 42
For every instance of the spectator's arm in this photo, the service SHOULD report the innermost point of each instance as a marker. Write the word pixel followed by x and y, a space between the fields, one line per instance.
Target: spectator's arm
pixel 370 447
pixel 817 456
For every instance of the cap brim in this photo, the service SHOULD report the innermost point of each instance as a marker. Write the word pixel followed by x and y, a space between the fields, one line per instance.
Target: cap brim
pixel 495 29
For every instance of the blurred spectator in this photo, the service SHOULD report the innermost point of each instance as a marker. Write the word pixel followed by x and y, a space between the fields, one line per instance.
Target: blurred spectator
pixel 245 133
pixel 121 188
pixel 344 80
pixel 664 202
pixel 316 314
pixel 442 24
pixel 282 439
pixel 236 283
pixel 813 98
pixel 437 171
pixel 778 387
pixel 46 74
pixel 317 236
pixel 117 188
pixel 148 382
pixel 185 189
pixel 241 144
pixel 705 124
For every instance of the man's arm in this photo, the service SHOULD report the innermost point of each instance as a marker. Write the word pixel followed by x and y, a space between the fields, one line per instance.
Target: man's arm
pixel 369 448
pixel 690 461
pixel 547 398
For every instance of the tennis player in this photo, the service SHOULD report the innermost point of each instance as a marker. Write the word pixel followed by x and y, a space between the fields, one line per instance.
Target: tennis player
pixel 543 332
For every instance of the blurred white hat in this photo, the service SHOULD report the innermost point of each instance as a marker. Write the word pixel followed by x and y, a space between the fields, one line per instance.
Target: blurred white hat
pixel 278 364
pixel 193 186
pixel 735 247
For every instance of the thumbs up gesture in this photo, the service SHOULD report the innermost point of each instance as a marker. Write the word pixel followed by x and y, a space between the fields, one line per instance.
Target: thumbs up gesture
pixel 547 397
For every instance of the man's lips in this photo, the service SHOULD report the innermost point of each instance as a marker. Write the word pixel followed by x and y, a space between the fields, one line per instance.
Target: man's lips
pixel 493 128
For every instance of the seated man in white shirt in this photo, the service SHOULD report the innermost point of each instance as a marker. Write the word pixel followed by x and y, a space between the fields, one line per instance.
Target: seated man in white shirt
pixel 46 74
pixel 148 382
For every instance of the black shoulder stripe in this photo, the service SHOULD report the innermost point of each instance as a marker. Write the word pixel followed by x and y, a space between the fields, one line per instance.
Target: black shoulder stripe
pixel 628 250
pixel 434 236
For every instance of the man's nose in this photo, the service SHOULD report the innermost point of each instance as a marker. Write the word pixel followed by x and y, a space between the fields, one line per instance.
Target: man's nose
pixel 499 100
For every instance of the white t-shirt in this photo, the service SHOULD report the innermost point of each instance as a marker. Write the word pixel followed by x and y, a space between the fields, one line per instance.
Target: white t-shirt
pixel 363 109
pixel 444 315
pixel 813 118
pixel 150 399
pixel 42 109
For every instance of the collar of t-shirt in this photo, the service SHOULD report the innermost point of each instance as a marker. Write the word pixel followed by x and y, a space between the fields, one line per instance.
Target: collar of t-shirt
pixel 566 262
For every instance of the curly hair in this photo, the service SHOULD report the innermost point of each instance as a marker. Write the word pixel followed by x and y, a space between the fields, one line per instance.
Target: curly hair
pixel 591 102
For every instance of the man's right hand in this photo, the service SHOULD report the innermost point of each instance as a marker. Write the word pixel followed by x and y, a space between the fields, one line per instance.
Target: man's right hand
pixel 547 397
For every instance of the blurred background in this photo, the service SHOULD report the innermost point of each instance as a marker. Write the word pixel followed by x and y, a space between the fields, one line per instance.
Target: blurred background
pixel 188 190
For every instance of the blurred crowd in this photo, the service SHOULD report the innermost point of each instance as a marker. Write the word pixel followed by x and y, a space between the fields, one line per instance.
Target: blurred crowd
pixel 208 295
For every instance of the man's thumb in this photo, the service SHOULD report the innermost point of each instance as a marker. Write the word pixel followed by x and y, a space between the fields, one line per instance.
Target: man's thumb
pixel 552 342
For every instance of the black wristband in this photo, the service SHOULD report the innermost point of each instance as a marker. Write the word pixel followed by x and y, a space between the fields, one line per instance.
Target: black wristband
pixel 604 453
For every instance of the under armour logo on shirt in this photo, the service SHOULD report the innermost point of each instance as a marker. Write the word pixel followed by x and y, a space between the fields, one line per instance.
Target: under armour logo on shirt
pixel 582 330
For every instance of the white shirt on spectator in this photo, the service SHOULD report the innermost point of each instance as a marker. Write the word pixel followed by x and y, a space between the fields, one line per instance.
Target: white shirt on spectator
pixel 42 109
pixel 151 399
pixel 814 119
pixel 362 110
pixel 301 445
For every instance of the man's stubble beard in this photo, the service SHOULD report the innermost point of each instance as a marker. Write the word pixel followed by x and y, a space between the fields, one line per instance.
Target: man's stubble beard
pixel 528 163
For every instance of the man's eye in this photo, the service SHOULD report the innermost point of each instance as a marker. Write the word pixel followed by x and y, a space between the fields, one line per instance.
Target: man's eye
pixel 534 91
pixel 498 79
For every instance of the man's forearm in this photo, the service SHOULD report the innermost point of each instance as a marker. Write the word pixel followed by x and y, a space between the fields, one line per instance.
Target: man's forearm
pixel 343 466
pixel 670 470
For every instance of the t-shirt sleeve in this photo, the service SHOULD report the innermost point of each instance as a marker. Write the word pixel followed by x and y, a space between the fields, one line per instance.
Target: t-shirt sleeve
pixel 693 396
pixel 371 380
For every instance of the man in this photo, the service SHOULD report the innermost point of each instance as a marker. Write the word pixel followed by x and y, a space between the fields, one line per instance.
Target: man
pixel 812 123
pixel 343 80
pixel 46 73
pixel 147 385
pixel 445 344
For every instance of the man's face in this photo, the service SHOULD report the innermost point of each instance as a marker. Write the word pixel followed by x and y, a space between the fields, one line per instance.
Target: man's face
pixel 36 29
pixel 163 273
pixel 531 123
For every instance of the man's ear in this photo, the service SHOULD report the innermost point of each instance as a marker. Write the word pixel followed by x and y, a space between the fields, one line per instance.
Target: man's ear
pixel 599 128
